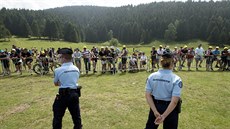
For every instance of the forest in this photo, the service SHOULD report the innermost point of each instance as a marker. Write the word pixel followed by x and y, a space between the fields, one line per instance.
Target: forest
pixel 168 21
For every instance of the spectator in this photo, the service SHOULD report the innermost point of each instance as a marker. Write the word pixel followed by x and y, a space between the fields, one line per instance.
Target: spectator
pixel 153 57
pixel 216 56
pixel 124 56
pixel 86 58
pixel 94 56
pixel 209 59
pixel 143 60
pixel 175 56
pixel 16 58
pixel 190 56
pixel 159 54
pixel 77 58
pixel 27 59
pixel 224 61
pixel 199 53
pixel 102 56
pixel 5 62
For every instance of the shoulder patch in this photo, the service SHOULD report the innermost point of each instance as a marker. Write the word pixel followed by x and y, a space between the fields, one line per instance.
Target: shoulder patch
pixel 180 84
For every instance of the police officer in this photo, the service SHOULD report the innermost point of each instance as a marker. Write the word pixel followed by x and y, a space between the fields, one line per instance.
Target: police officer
pixel 163 90
pixel 66 77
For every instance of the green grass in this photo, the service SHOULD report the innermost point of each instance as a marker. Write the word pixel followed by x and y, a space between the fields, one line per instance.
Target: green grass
pixel 110 102
pixel 43 44
pixel 114 102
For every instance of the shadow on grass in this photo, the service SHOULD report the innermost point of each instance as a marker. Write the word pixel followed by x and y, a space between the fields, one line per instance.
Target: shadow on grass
pixel 15 76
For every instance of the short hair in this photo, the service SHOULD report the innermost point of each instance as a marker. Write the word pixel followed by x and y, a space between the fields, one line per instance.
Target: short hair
pixel 67 56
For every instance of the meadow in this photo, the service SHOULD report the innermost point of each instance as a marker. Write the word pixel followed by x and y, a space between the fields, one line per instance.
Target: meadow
pixel 111 101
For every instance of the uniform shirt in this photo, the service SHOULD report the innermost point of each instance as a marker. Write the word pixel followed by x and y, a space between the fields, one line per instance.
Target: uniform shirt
pixel 164 84
pixel 67 75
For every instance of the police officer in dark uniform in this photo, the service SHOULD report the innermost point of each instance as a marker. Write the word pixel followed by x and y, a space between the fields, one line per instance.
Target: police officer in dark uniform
pixel 163 90
pixel 66 77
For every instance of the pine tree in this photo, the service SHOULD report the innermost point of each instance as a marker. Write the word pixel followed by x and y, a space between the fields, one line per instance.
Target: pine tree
pixel 170 33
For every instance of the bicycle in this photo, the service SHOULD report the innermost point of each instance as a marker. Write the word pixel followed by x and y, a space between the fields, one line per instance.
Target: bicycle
pixel 43 65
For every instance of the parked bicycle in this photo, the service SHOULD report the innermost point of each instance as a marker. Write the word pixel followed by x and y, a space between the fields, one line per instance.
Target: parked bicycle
pixel 43 66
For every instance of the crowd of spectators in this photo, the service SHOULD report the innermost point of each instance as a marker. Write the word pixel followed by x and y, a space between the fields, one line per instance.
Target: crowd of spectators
pixel 112 59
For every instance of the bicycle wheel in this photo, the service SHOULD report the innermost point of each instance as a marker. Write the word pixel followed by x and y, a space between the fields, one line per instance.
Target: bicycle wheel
pixel 55 66
pixel 37 68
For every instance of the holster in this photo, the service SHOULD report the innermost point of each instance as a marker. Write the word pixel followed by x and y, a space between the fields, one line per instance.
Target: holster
pixel 178 106
pixel 79 90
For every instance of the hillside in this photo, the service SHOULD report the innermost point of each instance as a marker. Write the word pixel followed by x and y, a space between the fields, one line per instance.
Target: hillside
pixel 171 21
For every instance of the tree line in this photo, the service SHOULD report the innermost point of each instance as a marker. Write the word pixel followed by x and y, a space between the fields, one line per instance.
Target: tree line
pixel 170 21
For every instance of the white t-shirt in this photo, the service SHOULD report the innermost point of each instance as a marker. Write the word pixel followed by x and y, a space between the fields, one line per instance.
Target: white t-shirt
pixel 143 58
pixel 199 51
pixel 159 53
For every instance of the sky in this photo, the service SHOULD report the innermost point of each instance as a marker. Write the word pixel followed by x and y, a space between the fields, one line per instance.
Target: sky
pixel 45 4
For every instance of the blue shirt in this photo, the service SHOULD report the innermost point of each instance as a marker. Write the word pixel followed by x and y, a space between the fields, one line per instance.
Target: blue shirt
pixel 67 75
pixel 164 84
pixel 216 52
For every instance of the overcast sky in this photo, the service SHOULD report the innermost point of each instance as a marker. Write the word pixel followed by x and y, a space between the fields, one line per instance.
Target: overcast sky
pixel 45 4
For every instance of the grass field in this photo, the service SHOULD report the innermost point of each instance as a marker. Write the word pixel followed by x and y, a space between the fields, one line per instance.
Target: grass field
pixel 110 101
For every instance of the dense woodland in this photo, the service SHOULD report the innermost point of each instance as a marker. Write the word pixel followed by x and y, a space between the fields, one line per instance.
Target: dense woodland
pixel 169 21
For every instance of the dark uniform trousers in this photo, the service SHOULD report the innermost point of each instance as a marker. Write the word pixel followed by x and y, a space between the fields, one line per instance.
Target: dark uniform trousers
pixel 67 98
pixel 170 122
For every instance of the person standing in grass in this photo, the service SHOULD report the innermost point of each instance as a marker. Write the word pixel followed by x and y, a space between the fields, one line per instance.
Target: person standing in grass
pixel 190 55
pixel 224 61
pixel 176 57
pixel 16 58
pixel 66 77
pixel 209 59
pixel 77 58
pixel 27 59
pixel 124 56
pixel 163 91
pixel 86 58
pixel 199 53
pixel 102 56
pixel 153 57
pixel 159 54
pixel 216 56
pixel 228 59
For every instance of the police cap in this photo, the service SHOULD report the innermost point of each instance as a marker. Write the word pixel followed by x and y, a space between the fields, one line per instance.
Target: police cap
pixel 66 51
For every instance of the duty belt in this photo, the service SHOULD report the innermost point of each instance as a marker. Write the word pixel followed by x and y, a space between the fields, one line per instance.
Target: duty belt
pixel 160 101
pixel 67 91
